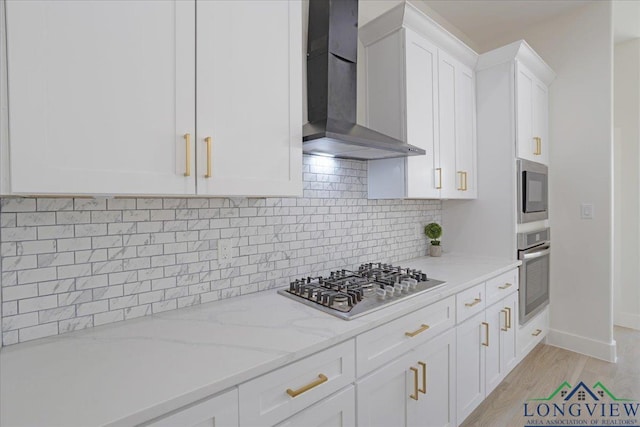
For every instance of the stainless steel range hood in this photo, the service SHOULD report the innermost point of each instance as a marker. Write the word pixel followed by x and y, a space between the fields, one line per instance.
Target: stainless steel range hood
pixel 331 89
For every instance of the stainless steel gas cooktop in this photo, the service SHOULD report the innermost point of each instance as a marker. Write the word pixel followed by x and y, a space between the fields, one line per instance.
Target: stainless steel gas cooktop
pixel 350 294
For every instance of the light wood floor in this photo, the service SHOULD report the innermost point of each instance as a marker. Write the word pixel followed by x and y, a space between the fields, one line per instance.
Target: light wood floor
pixel 546 367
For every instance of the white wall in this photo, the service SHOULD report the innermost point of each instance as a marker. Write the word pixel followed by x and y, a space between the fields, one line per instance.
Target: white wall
pixel 579 48
pixel 627 123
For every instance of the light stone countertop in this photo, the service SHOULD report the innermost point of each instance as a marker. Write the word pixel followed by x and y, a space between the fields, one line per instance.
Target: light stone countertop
pixel 129 372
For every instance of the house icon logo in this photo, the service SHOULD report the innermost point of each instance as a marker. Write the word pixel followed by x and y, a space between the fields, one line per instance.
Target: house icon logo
pixel 579 404
pixel 582 393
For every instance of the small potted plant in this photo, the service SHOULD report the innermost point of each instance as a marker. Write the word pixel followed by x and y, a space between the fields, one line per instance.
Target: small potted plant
pixel 433 231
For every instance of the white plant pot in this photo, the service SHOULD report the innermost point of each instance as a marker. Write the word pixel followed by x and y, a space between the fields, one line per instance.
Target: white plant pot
pixel 435 250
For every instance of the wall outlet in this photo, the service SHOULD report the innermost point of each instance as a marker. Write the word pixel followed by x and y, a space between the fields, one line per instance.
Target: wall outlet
pixel 224 250
pixel 586 210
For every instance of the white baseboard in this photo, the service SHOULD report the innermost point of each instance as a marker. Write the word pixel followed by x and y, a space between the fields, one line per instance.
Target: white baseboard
pixel 627 320
pixel 583 345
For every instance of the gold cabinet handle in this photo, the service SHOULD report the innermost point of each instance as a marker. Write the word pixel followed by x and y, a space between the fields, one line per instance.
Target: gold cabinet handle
pixel 321 379
pixel 207 141
pixel 486 329
pixel 508 317
pixel 423 390
pixel 414 396
pixel 475 302
pixel 538 141
pixel 439 178
pixel 506 320
pixel 537 332
pixel 505 286
pixel 187 140
pixel 423 328
pixel 463 181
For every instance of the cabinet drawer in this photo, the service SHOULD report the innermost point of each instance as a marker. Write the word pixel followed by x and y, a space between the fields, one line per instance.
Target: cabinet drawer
pixel 389 341
pixel 470 302
pixel 279 394
pixel 501 286
pixel 533 332
pixel 220 410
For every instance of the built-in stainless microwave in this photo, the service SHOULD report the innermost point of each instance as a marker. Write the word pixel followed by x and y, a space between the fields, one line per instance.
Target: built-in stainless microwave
pixel 533 192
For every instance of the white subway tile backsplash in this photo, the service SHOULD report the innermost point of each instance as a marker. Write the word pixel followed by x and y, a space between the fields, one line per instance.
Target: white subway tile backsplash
pixel 69 264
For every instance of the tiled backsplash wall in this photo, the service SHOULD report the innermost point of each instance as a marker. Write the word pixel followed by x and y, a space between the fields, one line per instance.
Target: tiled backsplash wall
pixel 69 264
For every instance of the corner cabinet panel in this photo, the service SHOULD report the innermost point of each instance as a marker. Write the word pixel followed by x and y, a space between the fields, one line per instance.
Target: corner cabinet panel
pixel 101 95
pixel 249 102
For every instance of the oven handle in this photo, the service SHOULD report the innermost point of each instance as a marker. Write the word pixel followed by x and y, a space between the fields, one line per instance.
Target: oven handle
pixel 537 254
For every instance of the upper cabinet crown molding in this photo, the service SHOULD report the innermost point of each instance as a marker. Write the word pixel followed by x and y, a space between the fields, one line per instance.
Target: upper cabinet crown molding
pixel 406 15
pixel 521 52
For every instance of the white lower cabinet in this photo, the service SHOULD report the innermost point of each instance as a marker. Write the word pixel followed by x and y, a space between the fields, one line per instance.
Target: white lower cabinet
pixel 417 370
pixel 218 411
pixel 486 353
pixel 338 410
pixel 532 333
pixel 413 390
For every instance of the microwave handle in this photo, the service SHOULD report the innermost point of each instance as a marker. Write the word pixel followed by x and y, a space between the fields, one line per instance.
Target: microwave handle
pixel 538 254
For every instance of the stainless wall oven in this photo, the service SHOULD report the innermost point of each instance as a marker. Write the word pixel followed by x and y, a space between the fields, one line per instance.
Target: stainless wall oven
pixel 534 250
pixel 532 191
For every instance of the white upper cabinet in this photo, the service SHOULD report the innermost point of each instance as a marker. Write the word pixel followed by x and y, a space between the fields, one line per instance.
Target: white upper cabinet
pixel 532 116
pixel 529 77
pixel 103 97
pixel 249 98
pixel 420 88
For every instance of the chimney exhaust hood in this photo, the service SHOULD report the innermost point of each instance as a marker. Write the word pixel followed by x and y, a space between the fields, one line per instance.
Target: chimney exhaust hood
pixel 331 89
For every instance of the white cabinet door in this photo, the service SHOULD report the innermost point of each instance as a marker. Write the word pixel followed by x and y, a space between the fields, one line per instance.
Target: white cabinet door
pixel 447 114
pixel 495 321
pixel 249 97
pixel 541 120
pixel 532 116
pixel 466 133
pixel 470 362
pixel 219 411
pixel 383 397
pixel 338 410
pixel 100 96
pixel 508 345
pixel 438 400
pixel 423 173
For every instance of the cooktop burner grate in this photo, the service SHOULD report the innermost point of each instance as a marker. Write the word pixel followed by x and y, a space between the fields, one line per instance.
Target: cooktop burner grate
pixel 350 294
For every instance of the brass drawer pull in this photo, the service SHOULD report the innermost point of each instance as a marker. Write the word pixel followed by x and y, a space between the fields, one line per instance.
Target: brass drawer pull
pixel 506 320
pixel 207 141
pixel 423 328
pixel 475 302
pixel 423 390
pixel 187 140
pixel 505 286
pixel 321 379
pixel 486 329
pixel 537 332
pixel 538 141
pixel 508 317
pixel 414 396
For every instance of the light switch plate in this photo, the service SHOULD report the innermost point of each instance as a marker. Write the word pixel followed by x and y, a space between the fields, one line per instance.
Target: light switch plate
pixel 586 210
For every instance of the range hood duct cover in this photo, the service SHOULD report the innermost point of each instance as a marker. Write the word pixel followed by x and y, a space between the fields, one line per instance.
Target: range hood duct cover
pixel 332 89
